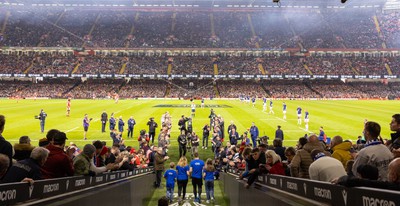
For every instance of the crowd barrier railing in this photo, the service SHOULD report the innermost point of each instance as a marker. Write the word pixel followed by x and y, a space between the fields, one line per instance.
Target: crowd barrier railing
pixel 329 193
pixel 12 193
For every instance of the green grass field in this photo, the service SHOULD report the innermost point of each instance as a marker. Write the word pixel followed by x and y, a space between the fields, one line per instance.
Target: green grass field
pixel 343 118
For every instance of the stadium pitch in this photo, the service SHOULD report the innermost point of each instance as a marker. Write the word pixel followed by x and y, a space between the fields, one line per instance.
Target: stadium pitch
pixel 345 118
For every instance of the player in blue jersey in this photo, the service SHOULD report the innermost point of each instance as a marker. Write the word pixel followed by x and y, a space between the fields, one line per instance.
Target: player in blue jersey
pixel 253 101
pixel 306 118
pixel 202 103
pixel 299 115
pixel 264 104
pixel 271 104
pixel 284 110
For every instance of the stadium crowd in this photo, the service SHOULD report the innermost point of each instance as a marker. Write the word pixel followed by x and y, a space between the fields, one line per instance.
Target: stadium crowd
pixel 272 30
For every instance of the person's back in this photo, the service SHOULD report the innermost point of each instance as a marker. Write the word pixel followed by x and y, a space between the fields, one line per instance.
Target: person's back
pixel 5 146
pixel 58 163
pixel 325 168
pixel 342 153
pixel 302 160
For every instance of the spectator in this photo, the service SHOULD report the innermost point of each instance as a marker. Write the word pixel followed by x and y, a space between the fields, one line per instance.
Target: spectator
pixel 325 168
pixel 290 152
pixel 299 167
pixel 279 149
pixel 395 127
pixel 374 153
pixel 392 183
pixel 163 201
pixel 274 164
pixel 208 174
pixel 368 172
pixel 341 150
pixel 43 142
pixel 84 165
pixel 28 168
pixel 5 146
pixel 4 164
pixel 23 149
pixel 256 159
pixel 58 164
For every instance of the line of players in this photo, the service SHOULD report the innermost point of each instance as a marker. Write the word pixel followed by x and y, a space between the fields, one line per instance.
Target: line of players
pixel 284 109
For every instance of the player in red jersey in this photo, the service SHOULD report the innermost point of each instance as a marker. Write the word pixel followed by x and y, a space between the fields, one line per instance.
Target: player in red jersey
pixel 68 107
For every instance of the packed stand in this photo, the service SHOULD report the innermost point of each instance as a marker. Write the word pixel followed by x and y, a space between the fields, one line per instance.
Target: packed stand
pixel 289 89
pixel 96 88
pixel 191 88
pixel 235 88
pixel 192 65
pixel 143 88
pixel 237 65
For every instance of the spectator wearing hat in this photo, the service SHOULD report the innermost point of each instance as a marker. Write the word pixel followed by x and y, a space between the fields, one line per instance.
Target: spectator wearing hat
pixel 58 164
pixel 5 146
pixel 23 149
pixel 325 168
pixel 28 168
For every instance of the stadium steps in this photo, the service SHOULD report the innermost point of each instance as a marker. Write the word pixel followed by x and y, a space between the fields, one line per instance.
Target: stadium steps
pixel 389 71
pixel 378 29
pixel 73 87
pixel 76 67
pixel 261 68
pixel 173 22
pixel 212 25
pixel 215 68
pixel 127 44
pixel 92 29
pixel 266 90
pixel 293 32
pixel 216 90
pixel 169 68
pixel 3 28
pixel 253 32
pixel 308 85
pixel 122 70
pixel 351 67
pixel 29 67
pixel 308 69
pixel 167 90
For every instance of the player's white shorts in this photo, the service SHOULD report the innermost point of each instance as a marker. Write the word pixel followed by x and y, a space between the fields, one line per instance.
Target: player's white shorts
pixel 284 111
pixel 306 120
pixel 299 115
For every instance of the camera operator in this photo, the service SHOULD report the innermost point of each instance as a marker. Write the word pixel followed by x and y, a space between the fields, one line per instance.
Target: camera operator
pixel 42 117
pixel 152 128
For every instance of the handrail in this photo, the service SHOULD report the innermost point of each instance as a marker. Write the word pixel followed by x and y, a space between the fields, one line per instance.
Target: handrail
pixel 12 193
pixel 328 193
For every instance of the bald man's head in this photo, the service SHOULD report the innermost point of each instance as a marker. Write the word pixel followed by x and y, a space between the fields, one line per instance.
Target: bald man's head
pixel 313 138
pixel 394 171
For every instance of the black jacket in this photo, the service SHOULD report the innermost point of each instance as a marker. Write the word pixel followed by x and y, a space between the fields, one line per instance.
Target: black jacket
pixel 25 168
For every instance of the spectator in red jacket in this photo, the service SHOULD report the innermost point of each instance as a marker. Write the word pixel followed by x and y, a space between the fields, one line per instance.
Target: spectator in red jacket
pixel 274 164
pixel 58 164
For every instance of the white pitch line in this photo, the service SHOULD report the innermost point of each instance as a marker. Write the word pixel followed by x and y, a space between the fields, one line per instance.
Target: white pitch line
pixel 71 129
pixel 281 119
pixel 304 129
